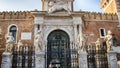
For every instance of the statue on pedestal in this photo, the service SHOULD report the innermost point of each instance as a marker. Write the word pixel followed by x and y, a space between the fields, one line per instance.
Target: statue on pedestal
pixel 58 5
pixel 19 45
pixel 9 42
pixel 109 41
pixel 39 41
pixel 81 42
pixel 97 43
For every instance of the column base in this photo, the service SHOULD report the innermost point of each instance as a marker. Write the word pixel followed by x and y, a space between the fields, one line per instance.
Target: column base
pixel 83 59
pixel 40 60
pixel 6 60
pixel 112 59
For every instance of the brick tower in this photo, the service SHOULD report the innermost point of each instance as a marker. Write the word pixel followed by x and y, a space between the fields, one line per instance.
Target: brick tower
pixel 111 6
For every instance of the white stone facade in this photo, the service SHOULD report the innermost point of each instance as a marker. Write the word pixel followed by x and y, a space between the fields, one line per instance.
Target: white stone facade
pixel 67 23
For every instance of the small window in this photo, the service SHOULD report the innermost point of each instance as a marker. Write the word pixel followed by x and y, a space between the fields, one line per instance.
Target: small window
pixel 13 30
pixel 102 32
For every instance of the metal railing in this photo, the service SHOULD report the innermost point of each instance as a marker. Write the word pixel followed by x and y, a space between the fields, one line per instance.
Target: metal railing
pixel 97 58
pixel 24 57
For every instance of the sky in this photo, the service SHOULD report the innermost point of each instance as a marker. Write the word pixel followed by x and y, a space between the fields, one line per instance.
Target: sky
pixel 29 5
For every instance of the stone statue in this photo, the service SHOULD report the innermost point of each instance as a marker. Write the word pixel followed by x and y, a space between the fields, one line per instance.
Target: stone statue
pixel 9 42
pixel 97 43
pixel 39 41
pixel 19 45
pixel 58 5
pixel 81 42
pixel 109 40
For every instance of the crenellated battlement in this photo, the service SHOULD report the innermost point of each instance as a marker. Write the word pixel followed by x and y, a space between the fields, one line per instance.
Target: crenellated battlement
pixel 100 16
pixel 16 15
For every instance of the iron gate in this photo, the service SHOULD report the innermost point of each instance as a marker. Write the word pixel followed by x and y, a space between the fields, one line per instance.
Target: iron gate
pixel 97 58
pixel 24 57
pixel 58 50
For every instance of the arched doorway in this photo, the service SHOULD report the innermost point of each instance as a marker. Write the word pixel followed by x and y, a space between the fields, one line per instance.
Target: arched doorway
pixel 58 50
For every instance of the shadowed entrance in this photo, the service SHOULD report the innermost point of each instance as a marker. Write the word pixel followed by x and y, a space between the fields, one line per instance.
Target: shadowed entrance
pixel 58 50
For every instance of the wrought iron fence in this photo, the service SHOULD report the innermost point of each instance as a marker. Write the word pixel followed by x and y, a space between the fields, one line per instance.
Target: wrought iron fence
pixel 97 57
pixel 74 55
pixel 24 57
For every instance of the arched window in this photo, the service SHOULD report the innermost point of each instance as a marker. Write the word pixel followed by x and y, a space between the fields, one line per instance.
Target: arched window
pixel 13 30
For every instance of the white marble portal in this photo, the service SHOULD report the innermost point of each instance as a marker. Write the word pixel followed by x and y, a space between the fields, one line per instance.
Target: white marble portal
pixel 47 23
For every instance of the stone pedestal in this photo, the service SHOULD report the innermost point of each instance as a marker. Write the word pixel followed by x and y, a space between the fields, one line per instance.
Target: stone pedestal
pixel 40 60
pixel 6 60
pixel 83 59
pixel 112 59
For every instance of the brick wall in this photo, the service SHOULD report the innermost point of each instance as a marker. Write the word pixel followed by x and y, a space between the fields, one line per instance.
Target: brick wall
pixel 94 21
pixel 92 27
pixel 24 22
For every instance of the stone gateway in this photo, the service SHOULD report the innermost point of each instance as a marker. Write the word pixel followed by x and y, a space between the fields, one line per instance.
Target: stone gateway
pixel 59 37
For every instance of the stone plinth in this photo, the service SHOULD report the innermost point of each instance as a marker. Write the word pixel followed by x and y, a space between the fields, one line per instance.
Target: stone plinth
pixel 83 59
pixel 40 60
pixel 6 60
pixel 112 59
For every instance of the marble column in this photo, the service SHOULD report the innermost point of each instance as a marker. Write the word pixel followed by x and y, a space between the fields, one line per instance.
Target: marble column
pixel 83 59
pixel 112 59
pixel 6 60
pixel 75 33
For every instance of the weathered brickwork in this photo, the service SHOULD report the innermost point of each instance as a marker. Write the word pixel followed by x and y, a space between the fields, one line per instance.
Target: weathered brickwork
pixel 94 21
pixel 24 22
